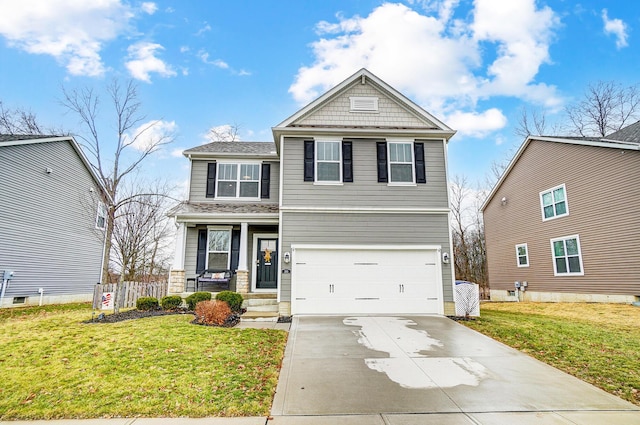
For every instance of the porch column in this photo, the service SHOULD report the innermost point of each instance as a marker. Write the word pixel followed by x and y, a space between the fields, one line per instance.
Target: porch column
pixel 177 274
pixel 242 276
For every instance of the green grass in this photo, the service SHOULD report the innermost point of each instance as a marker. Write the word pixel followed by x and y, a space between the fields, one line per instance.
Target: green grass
pixel 54 366
pixel 598 343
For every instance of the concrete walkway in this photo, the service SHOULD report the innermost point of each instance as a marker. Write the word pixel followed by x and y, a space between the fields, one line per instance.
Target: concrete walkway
pixel 410 370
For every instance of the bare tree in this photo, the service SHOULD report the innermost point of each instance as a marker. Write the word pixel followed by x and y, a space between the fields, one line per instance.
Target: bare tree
pixel 142 232
pixel 224 133
pixel 132 139
pixel 19 121
pixel 606 107
pixel 468 233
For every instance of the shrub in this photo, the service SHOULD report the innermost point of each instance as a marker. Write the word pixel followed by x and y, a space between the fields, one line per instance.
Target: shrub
pixel 147 303
pixel 171 302
pixel 196 297
pixel 232 298
pixel 212 312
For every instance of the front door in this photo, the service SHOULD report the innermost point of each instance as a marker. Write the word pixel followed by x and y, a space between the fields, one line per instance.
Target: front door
pixel 267 263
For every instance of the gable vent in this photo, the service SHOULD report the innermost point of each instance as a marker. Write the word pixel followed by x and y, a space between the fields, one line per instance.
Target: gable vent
pixel 364 104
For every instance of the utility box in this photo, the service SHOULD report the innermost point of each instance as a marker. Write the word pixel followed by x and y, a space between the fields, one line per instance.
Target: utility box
pixel 7 275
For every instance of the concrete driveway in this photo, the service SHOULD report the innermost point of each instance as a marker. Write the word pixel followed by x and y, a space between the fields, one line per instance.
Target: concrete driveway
pixel 426 369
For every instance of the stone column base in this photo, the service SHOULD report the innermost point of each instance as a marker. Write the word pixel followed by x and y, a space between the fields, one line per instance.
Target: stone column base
pixel 242 281
pixel 284 308
pixel 176 281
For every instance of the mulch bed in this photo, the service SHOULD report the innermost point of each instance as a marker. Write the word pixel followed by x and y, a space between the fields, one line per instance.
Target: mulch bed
pixel 133 314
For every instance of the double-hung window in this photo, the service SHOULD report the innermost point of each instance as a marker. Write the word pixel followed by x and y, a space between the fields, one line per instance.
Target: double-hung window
pixel 522 255
pixel 328 161
pixel 401 162
pixel 567 258
pixel 218 248
pixel 101 216
pixel 554 202
pixel 238 180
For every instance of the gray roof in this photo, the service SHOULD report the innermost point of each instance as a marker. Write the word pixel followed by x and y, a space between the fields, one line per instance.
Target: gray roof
pixel 14 137
pixel 630 133
pixel 246 148
pixel 186 208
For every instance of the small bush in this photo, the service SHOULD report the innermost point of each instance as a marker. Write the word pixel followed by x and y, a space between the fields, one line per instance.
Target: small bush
pixel 171 302
pixel 212 312
pixel 232 298
pixel 147 303
pixel 196 297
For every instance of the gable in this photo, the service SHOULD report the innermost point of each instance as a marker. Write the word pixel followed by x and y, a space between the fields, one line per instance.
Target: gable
pixel 380 111
pixel 337 112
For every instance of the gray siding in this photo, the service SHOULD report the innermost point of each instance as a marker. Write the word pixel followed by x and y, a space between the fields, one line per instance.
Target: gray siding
pixel 365 191
pixel 336 112
pixel 365 229
pixel 603 194
pixel 47 221
pixel 197 192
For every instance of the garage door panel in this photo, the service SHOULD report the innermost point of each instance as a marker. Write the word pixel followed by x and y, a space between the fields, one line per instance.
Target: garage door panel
pixel 349 281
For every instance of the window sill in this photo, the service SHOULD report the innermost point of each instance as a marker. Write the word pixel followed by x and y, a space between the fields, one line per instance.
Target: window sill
pixel 407 184
pixel 328 184
pixel 237 199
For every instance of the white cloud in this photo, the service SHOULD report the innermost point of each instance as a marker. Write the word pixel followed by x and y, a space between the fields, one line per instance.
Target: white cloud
pixel 150 133
pixel 72 31
pixel 477 124
pixel 617 27
pixel 439 61
pixel 204 57
pixel 177 152
pixel 205 28
pixel 143 62
pixel 149 7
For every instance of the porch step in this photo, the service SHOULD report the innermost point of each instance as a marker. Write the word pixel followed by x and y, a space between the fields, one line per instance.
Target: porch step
pixel 265 316
pixel 261 303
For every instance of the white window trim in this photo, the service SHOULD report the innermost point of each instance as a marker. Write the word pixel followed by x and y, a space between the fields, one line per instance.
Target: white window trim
pixel 566 202
pixel 553 256
pixel 315 163
pixel 413 162
pixel 526 255
pixel 239 164
pixel 101 211
pixel 214 228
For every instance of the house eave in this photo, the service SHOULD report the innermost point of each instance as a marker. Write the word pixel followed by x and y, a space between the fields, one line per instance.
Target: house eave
pixel 362 132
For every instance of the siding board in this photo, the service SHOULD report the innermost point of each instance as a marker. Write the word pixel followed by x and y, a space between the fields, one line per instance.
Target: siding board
pixel 47 221
pixel 603 194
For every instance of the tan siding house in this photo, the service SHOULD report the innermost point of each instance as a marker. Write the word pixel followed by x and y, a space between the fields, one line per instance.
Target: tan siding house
pixel 564 219
pixel 350 215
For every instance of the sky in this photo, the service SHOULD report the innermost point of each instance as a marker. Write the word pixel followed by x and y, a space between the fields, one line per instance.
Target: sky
pixel 250 64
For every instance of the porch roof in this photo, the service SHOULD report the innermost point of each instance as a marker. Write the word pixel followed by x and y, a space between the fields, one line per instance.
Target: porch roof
pixel 210 212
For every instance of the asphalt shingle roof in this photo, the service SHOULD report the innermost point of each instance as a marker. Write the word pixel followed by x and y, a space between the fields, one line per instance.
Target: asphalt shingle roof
pixel 14 137
pixel 257 148
pixel 186 208
pixel 630 133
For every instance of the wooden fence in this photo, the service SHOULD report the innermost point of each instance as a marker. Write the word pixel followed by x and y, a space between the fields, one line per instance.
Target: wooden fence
pixel 127 293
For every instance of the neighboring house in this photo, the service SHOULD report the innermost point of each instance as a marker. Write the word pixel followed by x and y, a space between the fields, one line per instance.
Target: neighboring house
pixel 564 218
pixel 52 219
pixel 347 212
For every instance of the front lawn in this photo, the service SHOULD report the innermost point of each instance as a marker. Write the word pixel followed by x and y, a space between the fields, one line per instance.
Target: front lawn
pixel 598 343
pixel 54 366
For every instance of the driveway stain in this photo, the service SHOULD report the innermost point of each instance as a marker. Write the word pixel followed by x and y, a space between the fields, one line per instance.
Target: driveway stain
pixel 411 362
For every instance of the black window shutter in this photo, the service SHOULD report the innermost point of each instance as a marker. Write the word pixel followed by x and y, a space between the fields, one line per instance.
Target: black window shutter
pixel 265 181
pixel 235 249
pixel 309 159
pixel 201 259
pixel 347 162
pixel 382 162
pixel 418 152
pixel 211 180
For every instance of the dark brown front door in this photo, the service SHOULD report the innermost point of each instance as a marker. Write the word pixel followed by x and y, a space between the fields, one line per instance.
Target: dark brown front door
pixel 267 263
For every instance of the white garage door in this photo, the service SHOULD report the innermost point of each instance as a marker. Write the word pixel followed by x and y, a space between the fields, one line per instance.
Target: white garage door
pixel 363 280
